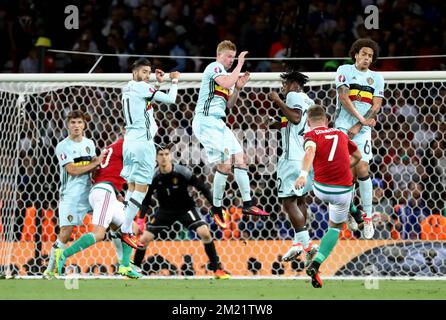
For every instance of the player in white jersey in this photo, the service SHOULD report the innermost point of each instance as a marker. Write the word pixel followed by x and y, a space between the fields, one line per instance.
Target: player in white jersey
pixel 293 126
pixel 139 148
pixel 360 92
pixel 77 158
pixel 217 92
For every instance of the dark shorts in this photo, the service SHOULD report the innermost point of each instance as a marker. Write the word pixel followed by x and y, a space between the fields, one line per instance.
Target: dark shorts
pixel 163 220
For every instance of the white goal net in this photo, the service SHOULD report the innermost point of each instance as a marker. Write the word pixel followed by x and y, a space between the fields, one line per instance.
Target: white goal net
pixel 408 171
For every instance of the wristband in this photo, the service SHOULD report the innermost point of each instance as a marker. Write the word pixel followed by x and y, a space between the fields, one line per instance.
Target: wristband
pixel 303 173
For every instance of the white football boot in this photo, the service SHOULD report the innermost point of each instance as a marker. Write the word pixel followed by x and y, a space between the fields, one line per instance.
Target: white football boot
pixel 351 223
pixel 295 251
pixel 310 253
pixel 369 229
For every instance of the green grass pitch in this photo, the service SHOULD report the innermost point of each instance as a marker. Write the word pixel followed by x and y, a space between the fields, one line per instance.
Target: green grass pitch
pixel 210 289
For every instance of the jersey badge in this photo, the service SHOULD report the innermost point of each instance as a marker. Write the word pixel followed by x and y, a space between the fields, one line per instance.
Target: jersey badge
pixel 87 149
pixel 370 80
pixel 175 180
pixel 341 78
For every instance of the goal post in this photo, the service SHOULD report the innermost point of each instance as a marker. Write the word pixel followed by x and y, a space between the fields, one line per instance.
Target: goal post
pixel 407 172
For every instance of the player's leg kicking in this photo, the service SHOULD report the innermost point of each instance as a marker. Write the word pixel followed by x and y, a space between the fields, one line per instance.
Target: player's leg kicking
pixel 107 211
pixel 338 210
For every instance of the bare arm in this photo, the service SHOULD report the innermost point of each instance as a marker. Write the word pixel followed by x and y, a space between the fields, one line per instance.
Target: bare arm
pixel 229 80
pixel 74 170
pixel 293 115
pixel 233 98
pixel 370 115
pixel 310 152
pixel 343 92
pixel 238 86
pixel 355 157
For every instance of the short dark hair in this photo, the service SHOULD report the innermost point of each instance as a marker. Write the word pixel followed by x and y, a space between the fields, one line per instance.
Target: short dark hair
pixel 316 112
pixel 364 43
pixel 295 76
pixel 141 62
pixel 74 114
pixel 163 146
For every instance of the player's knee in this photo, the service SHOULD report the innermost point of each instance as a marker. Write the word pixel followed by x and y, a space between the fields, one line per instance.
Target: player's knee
pixel 99 235
pixel 289 205
pixel 224 168
pixel 362 169
pixel 204 233
pixel 65 233
pixel 300 201
pixel 146 238
pixel 339 226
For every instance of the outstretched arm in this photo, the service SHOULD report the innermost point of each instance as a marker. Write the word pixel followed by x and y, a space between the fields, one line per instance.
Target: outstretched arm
pixel 171 97
pixel 229 80
pixel 310 152
pixel 238 86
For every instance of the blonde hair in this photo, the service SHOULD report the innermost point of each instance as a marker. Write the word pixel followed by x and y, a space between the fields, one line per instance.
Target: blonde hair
pixel 316 113
pixel 226 45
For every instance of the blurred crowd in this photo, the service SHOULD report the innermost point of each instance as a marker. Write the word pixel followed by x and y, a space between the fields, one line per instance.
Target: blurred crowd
pixel 266 28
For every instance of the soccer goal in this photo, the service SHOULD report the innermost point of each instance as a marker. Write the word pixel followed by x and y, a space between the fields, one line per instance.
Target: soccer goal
pixel 407 169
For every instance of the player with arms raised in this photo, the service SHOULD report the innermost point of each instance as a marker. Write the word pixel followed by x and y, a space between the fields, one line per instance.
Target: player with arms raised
pixel 360 92
pixel 293 126
pixel 107 212
pixel 77 159
pixel 331 154
pixel 139 148
pixel 218 140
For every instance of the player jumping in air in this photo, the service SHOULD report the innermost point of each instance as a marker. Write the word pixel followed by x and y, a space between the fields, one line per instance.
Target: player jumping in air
pixel 360 92
pixel 171 182
pixel 217 139
pixel 293 127
pixel 331 154
pixel 139 148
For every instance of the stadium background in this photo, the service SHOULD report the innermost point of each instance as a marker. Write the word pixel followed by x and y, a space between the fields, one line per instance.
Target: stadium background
pixel 408 168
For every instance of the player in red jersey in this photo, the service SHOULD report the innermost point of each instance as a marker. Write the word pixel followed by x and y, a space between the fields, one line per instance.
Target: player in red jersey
pixel 332 155
pixel 108 211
